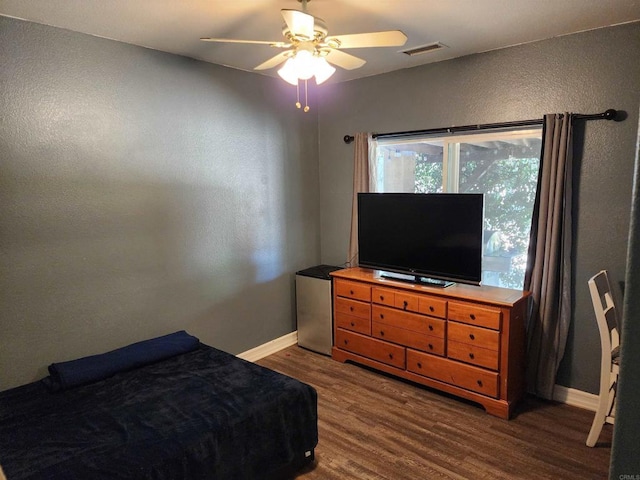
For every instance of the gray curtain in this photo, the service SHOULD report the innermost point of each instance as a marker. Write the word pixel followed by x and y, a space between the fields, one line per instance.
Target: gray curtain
pixel 361 183
pixel 548 274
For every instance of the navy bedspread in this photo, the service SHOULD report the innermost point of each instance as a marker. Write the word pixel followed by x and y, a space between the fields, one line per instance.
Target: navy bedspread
pixel 201 414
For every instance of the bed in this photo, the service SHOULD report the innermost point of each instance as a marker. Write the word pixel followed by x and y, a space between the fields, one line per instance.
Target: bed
pixel 200 413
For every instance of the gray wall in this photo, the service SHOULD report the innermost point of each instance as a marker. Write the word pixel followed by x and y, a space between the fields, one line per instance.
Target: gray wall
pixel 144 193
pixel 584 73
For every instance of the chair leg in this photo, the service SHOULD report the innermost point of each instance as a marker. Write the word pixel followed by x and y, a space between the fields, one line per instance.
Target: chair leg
pixel 599 419
pixel 596 427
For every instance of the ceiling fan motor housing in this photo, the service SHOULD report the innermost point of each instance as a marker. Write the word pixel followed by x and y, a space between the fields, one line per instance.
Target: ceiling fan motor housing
pixel 320 31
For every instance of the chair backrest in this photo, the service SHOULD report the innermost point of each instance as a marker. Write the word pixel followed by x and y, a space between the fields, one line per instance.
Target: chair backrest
pixel 605 310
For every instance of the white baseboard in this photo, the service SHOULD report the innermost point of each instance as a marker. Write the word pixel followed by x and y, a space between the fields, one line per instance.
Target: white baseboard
pixel 576 398
pixel 268 348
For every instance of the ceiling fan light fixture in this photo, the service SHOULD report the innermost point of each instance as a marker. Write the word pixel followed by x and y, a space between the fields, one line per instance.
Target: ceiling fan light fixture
pixel 289 73
pixel 305 65
pixel 323 70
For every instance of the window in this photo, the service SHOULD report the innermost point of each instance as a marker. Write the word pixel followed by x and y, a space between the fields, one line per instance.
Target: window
pixel 501 164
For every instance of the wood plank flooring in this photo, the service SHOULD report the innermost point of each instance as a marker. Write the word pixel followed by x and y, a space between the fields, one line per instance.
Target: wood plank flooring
pixel 373 426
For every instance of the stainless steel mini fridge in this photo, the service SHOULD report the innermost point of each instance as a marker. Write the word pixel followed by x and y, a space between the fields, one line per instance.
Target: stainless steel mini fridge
pixel 313 308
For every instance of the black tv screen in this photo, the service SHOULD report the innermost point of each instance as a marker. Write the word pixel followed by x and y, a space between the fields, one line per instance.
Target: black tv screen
pixel 433 235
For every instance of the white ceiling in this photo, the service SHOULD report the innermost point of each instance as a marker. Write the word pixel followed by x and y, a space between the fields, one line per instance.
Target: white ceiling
pixel 464 26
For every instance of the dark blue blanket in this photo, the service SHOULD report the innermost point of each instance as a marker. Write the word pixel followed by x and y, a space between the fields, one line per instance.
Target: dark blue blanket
pixel 85 370
pixel 204 414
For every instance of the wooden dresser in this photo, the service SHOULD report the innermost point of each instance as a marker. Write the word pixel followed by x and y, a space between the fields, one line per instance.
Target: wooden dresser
pixel 465 340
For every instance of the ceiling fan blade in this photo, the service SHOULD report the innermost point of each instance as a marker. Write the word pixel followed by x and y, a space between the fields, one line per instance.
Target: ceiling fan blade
pixel 390 38
pixel 344 60
pixel 300 24
pixel 274 61
pixel 259 42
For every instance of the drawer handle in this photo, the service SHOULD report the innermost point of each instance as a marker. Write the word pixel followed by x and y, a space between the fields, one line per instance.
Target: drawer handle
pixel 353 324
pixel 472 356
pixel 479 383
pixel 430 346
pixel 431 327
pixel 405 304
pixel 419 365
pixel 351 292
pixel 351 309
pixel 471 316
pixel 382 315
pixel 382 298
pixel 381 333
pixel 391 356
pixel 431 309
pixel 472 336
pixel 346 342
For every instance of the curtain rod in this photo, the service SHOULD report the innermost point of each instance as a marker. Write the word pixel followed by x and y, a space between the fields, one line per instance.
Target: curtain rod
pixel 610 114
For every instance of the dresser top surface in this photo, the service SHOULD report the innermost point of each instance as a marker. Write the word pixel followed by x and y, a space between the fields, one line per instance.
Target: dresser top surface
pixel 459 291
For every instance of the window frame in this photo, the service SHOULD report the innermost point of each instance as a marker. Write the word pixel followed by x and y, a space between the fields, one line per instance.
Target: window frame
pixel 451 153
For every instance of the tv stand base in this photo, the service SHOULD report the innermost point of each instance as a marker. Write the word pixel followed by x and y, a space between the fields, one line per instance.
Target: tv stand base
pixel 427 281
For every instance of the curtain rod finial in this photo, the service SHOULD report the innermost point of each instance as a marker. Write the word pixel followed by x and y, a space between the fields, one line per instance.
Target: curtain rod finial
pixel 348 138
pixel 611 114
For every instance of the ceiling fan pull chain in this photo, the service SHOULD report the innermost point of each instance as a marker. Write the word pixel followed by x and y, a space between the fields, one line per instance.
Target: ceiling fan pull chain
pixel 306 102
pixel 298 95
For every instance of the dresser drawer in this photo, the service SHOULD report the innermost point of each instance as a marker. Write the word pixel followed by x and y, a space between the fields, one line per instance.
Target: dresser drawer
pixel 407 301
pixel 427 304
pixel 481 357
pixel 450 371
pixel 353 307
pixel 357 291
pixel 383 296
pixel 356 324
pixel 409 321
pixel 434 306
pixel 475 315
pixel 384 352
pixel 479 337
pixel 408 338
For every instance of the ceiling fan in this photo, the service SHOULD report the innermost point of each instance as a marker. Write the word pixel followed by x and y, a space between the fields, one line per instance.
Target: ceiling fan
pixel 309 51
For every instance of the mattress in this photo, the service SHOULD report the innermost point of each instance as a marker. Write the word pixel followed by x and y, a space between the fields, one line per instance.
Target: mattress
pixel 196 415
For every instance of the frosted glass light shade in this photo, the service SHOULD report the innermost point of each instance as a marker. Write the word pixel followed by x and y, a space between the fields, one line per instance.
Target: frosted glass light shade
pixel 323 70
pixel 304 64
pixel 288 72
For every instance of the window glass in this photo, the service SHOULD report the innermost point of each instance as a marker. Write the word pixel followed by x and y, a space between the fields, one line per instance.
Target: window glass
pixel 503 165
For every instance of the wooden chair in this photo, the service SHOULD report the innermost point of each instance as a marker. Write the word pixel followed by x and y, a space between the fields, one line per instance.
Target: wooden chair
pixel 607 319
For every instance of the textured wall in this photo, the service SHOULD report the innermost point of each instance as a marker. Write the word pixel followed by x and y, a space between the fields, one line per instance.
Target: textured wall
pixel 585 73
pixel 142 193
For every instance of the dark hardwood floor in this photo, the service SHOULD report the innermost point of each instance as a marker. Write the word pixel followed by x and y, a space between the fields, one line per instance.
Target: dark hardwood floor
pixel 373 426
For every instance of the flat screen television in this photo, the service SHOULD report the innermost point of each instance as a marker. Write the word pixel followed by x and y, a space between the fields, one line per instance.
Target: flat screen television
pixel 432 238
